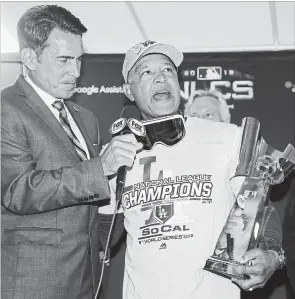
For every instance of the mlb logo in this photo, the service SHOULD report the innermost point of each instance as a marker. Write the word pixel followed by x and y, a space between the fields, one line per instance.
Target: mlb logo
pixel 209 73
pixel 163 212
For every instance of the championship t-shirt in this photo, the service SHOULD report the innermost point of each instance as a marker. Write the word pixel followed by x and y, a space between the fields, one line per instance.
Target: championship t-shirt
pixel 176 201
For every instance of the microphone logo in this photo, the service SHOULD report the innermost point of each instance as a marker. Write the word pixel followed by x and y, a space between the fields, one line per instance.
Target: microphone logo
pixel 118 126
pixel 136 127
pixel 132 126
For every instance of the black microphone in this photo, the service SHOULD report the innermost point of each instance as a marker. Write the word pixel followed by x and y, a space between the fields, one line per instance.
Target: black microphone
pixel 124 125
pixel 128 123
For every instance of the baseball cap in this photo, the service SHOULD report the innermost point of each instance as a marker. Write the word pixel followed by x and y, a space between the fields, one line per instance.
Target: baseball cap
pixel 149 47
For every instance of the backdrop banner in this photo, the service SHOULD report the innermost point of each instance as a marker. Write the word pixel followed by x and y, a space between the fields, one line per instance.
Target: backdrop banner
pixel 260 85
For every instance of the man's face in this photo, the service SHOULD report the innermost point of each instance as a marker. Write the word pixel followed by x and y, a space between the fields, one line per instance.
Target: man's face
pixel 205 107
pixel 59 65
pixel 154 85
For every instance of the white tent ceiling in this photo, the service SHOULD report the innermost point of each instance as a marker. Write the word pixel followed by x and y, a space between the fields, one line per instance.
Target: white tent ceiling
pixel 113 27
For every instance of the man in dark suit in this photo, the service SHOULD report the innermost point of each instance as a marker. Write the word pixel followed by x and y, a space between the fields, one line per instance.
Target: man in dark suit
pixel 52 175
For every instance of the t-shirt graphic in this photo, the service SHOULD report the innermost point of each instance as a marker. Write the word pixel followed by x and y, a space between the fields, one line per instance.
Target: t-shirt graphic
pixel 176 201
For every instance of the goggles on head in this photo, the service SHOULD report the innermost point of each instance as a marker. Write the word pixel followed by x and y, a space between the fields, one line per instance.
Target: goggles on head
pixel 167 130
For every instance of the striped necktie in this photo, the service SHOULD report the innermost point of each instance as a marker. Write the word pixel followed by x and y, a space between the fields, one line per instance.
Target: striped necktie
pixel 59 105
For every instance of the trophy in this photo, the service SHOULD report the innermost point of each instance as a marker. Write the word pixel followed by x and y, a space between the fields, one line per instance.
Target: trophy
pixel 259 167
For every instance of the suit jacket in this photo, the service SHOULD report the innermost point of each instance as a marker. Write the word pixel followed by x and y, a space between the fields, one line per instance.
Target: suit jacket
pixel 49 198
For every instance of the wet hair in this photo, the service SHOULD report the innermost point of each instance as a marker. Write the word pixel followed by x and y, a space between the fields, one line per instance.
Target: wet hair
pixel 36 24
pixel 223 107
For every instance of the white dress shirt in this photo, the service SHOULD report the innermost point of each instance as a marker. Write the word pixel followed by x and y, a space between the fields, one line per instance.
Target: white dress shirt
pixel 49 100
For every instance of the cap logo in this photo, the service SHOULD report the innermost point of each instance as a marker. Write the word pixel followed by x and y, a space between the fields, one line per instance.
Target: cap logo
pixel 137 49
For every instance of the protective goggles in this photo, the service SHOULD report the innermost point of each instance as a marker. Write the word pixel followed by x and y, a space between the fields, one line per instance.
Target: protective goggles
pixel 167 130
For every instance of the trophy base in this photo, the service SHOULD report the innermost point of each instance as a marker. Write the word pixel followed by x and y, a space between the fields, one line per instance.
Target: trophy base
pixel 223 267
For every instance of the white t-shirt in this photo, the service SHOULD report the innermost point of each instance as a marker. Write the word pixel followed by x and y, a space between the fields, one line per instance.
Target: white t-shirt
pixel 176 202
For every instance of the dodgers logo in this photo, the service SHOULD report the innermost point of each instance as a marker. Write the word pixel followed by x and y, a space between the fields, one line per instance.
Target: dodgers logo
pixel 163 212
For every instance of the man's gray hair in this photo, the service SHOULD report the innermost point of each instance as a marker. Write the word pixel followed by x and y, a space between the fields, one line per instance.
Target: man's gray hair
pixel 223 107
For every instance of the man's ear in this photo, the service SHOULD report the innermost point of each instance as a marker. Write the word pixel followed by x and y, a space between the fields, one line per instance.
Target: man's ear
pixel 29 58
pixel 127 91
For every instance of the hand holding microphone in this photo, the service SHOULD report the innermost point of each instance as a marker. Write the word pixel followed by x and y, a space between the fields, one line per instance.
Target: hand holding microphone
pixel 122 149
pixel 118 155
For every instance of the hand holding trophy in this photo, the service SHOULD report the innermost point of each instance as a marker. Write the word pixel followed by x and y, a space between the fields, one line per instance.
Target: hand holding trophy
pixel 259 166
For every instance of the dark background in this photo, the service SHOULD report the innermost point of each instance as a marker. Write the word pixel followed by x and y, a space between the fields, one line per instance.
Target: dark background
pixel 272 77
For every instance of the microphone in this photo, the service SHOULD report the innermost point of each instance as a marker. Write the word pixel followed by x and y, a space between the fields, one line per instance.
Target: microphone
pixel 129 122
pixel 126 124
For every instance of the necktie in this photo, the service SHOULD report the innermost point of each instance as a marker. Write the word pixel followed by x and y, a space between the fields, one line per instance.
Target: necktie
pixel 59 105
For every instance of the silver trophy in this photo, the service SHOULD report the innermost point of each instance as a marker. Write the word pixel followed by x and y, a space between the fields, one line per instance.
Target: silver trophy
pixel 259 167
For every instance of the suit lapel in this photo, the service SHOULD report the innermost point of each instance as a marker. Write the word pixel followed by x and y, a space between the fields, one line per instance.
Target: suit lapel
pixel 78 120
pixel 36 103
